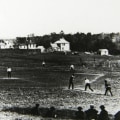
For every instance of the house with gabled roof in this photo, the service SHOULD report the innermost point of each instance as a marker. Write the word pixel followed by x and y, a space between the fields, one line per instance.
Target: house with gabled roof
pixel 6 44
pixel 61 45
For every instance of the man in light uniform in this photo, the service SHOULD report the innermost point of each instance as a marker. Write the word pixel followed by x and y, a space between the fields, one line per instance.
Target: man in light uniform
pixel 9 70
pixel 72 67
pixel 87 84
pixel 43 63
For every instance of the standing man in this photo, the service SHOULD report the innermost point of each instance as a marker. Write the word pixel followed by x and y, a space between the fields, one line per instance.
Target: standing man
pixel 107 88
pixel 43 63
pixel 9 70
pixel 87 84
pixel 72 68
pixel 71 83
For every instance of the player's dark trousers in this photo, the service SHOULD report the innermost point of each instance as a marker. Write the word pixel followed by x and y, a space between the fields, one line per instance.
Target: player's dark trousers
pixel 88 86
pixel 108 90
pixel 71 84
pixel 9 74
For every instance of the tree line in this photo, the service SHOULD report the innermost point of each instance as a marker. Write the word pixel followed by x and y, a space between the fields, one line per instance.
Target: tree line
pixel 78 42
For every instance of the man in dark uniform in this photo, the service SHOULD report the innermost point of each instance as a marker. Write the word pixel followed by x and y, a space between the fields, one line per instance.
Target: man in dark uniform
pixel 91 113
pixel 71 81
pixel 107 88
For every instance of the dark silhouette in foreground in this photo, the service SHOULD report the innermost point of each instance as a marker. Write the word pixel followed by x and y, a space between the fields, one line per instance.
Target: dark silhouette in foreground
pixel 117 116
pixel 51 113
pixel 80 114
pixel 35 110
pixel 91 113
pixel 103 113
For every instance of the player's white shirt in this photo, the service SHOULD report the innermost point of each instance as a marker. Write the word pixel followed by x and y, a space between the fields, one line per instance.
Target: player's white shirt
pixel 72 66
pixel 9 69
pixel 87 81
pixel 43 63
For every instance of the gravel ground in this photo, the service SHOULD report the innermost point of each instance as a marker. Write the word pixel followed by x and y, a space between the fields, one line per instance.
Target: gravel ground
pixel 60 98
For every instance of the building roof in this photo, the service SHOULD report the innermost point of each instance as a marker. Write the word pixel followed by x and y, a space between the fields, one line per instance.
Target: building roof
pixel 2 44
pixel 40 47
pixel 103 49
pixel 54 45
pixel 62 40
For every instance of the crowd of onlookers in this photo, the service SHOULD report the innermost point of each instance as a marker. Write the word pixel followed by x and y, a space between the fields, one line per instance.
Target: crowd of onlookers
pixel 90 114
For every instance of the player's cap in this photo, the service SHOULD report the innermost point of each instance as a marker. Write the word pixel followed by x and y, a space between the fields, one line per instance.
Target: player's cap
pixel 52 108
pixel 107 79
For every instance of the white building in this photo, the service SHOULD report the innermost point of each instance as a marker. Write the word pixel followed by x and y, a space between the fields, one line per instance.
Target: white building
pixel 22 46
pixel 30 46
pixel 54 47
pixel 6 44
pixel 103 52
pixel 61 45
pixel 9 44
pixel 2 45
pixel 42 49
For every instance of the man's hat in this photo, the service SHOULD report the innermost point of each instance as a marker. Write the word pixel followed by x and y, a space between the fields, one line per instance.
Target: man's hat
pixel 52 108
pixel 91 106
pixel 80 108
pixel 102 106
pixel 107 79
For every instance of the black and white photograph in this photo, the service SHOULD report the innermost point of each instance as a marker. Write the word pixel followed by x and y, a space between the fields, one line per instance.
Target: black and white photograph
pixel 59 60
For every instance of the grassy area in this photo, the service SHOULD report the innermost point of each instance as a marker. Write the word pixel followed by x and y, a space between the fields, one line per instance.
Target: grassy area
pixel 31 83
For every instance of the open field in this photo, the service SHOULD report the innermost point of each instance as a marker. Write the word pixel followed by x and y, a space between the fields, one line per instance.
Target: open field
pixel 48 86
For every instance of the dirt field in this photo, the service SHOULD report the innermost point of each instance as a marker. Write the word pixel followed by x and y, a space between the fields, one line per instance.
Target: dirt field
pixel 48 86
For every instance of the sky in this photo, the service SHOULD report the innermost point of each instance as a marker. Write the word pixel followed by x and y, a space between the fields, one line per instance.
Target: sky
pixel 24 17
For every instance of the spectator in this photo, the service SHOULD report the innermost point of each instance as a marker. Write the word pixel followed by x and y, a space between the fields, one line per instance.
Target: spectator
pixel 103 114
pixel 87 84
pixel 51 113
pixel 80 114
pixel 91 113
pixel 35 110
pixel 71 83
pixel 117 116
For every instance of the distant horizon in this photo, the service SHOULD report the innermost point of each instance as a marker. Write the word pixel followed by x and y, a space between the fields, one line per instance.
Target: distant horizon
pixel 58 33
pixel 20 18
